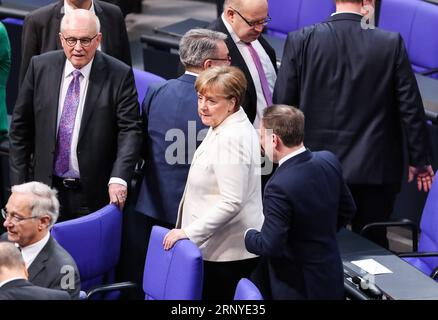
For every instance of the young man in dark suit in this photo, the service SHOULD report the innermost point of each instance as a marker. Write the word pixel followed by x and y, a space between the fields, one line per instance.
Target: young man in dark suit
pixel 41 30
pixel 243 22
pixel 30 213
pixel 13 278
pixel 77 117
pixel 356 87
pixel 305 203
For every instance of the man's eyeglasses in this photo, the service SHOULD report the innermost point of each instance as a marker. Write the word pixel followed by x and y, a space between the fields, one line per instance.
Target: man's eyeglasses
pixel 252 24
pixel 228 58
pixel 14 218
pixel 85 42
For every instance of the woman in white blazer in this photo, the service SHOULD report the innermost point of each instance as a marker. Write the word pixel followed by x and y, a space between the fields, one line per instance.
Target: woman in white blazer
pixel 222 197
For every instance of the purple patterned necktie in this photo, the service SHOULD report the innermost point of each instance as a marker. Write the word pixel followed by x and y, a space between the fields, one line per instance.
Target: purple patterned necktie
pixel 263 81
pixel 65 129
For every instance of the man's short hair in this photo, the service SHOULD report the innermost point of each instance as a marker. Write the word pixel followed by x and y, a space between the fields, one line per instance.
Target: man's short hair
pixel 197 45
pixel 10 256
pixel 44 201
pixel 67 17
pixel 286 122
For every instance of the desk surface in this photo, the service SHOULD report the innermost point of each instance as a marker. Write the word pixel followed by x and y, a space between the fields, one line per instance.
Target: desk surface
pixel 405 283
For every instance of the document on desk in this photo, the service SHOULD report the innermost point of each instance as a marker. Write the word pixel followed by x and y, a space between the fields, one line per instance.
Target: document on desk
pixel 371 266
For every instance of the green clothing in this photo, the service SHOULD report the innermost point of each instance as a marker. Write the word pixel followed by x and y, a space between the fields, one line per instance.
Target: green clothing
pixel 5 66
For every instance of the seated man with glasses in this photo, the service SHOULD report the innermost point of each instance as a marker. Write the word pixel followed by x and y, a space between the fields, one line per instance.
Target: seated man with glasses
pixel 77 117
pixel 243 22
pixel 30 213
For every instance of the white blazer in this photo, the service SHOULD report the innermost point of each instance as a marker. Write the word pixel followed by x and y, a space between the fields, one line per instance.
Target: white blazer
pixel 222 197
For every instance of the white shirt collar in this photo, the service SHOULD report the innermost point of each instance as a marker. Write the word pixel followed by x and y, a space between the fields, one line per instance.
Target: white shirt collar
pixel 191 73
pixel 291 155
pixel 68 8
pixel 31 252
pixel 85 70
pixel 9 280
pixel 233 35
pixel 339 12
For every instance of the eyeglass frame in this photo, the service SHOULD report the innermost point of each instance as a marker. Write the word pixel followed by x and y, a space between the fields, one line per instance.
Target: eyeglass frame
pixel 78 39
pixel 255 23
pixel 227 59
pixel 14 218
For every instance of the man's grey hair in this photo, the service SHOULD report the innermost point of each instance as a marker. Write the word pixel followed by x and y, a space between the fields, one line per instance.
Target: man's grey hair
pixel 10 256
pixel 44 201
pixel 66 19
pixel 197 45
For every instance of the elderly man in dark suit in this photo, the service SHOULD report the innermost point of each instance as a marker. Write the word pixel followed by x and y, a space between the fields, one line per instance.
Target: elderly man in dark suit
pixel 305 202
pixel 356 87
pixel 31 211
pixel 13 278
pixel 41 28
pixel 76 124
pixel 243 22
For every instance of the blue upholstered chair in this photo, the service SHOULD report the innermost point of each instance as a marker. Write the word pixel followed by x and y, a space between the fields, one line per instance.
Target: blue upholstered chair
pixel 291 15
pixel 176 274
pixel 94 243
pixel 246 290
pixel 142 81
pixel 425 253
pixel 417 22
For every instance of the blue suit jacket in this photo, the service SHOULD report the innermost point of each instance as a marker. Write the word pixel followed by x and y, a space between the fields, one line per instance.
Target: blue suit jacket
pixel 305 202
pixel 168 106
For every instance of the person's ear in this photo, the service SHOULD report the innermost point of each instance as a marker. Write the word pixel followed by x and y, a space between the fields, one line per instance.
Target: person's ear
pixel 44 222
pixel 207 64
pixel 229 14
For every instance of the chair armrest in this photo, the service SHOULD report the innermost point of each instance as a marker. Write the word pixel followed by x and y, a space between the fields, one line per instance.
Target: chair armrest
pixel 402 223
pixel 417 254
pixel 111 287
pixel 429 72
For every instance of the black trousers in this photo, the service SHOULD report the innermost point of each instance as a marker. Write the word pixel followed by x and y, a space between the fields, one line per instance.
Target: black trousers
pixel 221 278
pixel 73 201
pixel 374 203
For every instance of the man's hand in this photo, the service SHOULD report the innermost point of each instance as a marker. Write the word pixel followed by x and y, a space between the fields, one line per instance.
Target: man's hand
pixel 173 236
pixel 117 194
pixel 424 175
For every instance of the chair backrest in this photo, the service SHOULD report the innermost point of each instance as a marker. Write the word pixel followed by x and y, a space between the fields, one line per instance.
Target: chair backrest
pixel 291 15
pixel 429 227
pixel 94 243
pixel 142 81
pixel 176 274
pixel 246 290
pixel 417 22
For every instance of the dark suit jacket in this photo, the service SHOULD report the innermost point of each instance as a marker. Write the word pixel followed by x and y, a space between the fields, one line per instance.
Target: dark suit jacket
pixel 41 28
pixel 250 102
pixel 168 106
pixel 21 289
pixel 305 202
pixel 357 91
pixel 110 132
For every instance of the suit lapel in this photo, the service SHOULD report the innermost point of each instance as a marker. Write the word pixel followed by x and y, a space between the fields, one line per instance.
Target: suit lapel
pixel 39 263
pixel 97 79
pixel 53 95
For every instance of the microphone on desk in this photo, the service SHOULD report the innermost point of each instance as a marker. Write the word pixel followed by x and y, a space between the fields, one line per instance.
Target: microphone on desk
pixel 368 288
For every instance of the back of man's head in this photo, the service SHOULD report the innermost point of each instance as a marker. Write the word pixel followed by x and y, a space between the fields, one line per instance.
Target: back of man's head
pixel 11 262
pixel 286 122
pixel 198 45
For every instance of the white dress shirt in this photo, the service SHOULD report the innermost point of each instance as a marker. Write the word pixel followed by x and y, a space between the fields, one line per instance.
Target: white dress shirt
pixel 291 155
pixel 68 8
pixel 271 76
pixel 30 252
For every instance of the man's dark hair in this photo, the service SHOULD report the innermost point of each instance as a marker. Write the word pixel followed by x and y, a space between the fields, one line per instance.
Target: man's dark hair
pixel 286 122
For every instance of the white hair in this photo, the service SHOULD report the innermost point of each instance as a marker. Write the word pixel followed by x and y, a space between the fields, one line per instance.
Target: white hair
pixel 44 200
pixel 67 18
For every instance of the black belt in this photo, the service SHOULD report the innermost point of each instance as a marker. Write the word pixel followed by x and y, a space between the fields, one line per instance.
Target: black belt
pixel 69 183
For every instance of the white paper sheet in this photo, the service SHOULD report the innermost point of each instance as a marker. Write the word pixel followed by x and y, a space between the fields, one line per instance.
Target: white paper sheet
pixel 371 266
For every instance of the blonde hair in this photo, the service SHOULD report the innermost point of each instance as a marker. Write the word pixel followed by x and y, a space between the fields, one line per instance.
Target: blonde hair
pixel 228 80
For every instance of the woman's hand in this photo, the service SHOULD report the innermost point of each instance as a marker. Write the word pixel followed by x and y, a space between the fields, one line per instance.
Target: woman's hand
pixel 173 236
